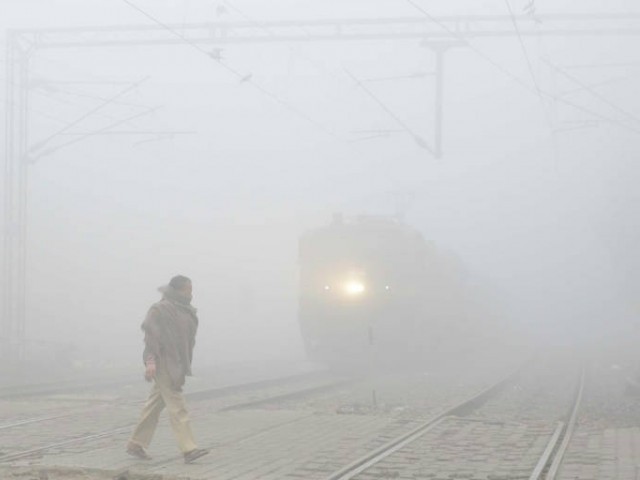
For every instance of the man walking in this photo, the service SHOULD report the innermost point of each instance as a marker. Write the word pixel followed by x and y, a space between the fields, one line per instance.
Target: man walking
pixel 169 336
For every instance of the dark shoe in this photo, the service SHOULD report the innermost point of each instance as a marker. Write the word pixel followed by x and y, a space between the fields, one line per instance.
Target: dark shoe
pixel 137 451
pixel 194 455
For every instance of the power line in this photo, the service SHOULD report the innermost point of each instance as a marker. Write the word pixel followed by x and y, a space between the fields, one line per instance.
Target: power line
pixel 38 150
pixel 181 37
pixel 52 94
pixel 528 60
pixel 269 31
pixel 523 47
pixel 418 139
pixel 42 143
pixel 593 92
pixel 244 78
pixel 99 98
pixel 405 128
pixel 595 85
pixel 604 118
pixel 100 131
pixel 517 79
pixel 477 51
pixel 605 65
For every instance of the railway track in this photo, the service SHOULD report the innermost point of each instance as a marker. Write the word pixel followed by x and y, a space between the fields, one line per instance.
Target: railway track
pixel 605 441
pixel 296 430
pixel 278 434
pixel 376 456
pixel 549 464
pixel 378 463
pixel 284 391
pixel 197 395
pixel 62 387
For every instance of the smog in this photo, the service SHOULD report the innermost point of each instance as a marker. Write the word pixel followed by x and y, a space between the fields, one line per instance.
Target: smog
pixel 390 190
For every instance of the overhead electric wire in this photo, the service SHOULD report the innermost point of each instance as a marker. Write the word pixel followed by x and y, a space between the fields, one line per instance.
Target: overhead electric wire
pixel 606 65
pixel 523 47
pixel 66 93
pixel 594 85
pixel 100 131
pixel 42 143
pixel 517 79
pixel 593 92
pixel 264 27
pixel 242 77
pixel 529 64
pixel 419 140
pixel 42 114
pixel 100 98
pixel 600 116
pixel 583 86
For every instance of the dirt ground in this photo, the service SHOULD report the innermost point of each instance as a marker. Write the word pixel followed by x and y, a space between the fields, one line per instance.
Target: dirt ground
pixel 38 473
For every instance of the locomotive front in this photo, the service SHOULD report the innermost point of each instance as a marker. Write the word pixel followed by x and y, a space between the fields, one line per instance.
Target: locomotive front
pixel 361 290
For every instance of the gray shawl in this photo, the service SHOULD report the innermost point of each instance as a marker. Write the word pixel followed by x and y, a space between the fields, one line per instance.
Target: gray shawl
pixel 170 332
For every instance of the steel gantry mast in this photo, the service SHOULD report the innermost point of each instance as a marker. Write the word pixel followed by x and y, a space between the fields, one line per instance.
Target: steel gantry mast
pixel 466 27
pixel 440 33
pixel 12 336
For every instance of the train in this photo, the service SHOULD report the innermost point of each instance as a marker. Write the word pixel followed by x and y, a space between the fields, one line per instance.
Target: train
pixel 372 290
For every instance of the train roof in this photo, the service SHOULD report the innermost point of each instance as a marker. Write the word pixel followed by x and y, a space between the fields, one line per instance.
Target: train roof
pixel 362 236
pixel 365 224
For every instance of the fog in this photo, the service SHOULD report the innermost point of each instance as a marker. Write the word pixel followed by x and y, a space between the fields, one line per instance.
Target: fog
pixel 535 198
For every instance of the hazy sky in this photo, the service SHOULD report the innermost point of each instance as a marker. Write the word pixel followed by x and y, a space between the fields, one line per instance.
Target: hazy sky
pixel 547 221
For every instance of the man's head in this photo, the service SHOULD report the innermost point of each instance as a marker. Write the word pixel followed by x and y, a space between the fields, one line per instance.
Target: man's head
pixel 182 285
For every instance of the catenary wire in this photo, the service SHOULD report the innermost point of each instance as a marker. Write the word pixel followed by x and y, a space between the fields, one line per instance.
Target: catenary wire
pixel 527 58
pixel 389 112
pixel 592 91
pixel 242 77
pixel 517 79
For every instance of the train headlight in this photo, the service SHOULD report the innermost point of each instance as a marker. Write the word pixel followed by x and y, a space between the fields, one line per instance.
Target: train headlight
pixel 354 288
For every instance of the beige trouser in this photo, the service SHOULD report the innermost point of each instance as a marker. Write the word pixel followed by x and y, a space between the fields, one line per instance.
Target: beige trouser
pixel 163 394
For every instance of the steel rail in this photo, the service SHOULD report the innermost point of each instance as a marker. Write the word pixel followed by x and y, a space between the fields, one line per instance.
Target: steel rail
pixel 71 386
pixel 375 456
pixel 196 395
pixel 546 468
pixel 544 460
pixel 199 395
pixel 289 395
pixel 55 388
pixel 556 463
pixel 29 421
